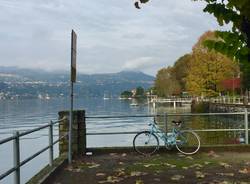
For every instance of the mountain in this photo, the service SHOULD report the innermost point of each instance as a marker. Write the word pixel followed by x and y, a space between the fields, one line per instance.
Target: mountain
pixel 29 83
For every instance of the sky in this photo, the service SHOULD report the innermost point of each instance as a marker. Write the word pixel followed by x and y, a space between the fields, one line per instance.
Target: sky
pixel 112 35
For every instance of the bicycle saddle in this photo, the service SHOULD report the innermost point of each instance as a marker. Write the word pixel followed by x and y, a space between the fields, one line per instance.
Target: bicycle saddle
pixel 177 123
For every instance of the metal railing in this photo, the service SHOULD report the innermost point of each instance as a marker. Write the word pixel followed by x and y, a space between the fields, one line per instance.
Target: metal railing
pixel 17 163
pixel 165 115
pixel 242 100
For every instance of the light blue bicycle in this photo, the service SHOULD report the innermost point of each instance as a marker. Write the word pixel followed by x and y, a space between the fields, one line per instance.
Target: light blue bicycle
pixel 147 142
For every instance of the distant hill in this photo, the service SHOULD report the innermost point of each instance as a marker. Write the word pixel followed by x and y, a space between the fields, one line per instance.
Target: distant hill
pixel 26 83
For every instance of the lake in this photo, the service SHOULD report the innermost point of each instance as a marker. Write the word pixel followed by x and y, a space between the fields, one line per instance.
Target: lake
pixel 30 113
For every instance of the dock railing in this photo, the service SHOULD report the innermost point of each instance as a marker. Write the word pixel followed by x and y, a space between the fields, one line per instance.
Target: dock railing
pixel 17 135
pixel 17 163
pixel 166 115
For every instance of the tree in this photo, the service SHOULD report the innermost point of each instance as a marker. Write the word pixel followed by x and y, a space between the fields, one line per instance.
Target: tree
pixel 166 83
pixel 126 94
pixel 208 69
pixel 235 43
pixel 181 69
pixel 139 92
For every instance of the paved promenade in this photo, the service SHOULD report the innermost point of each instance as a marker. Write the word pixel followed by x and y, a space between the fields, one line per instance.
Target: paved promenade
pixel 130 168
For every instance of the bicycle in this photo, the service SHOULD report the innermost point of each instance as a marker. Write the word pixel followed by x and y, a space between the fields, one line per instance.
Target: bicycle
pixel 147 142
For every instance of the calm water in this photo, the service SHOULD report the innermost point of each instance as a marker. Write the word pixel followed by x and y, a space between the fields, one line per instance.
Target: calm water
pixel 26 114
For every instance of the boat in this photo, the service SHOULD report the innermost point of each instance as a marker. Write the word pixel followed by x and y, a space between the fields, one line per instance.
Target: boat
pixel 105 97
pixel 134 104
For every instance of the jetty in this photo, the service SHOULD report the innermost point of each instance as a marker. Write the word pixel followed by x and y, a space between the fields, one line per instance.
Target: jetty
pixel 122 164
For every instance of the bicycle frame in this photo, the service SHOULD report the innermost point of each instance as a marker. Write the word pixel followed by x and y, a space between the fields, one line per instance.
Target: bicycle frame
pixel 168 139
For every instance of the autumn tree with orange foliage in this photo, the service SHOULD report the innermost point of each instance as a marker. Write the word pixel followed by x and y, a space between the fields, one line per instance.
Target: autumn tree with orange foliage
pixel 208 69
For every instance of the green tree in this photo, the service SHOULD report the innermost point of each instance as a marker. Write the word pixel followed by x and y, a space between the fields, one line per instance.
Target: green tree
pixel 139 92
pixel 126 94
pixel 166 83
pixel 181 69
pixel 236 42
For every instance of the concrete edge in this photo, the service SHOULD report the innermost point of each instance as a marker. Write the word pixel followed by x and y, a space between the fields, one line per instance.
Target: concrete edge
pixel 204 148
pixel 47 172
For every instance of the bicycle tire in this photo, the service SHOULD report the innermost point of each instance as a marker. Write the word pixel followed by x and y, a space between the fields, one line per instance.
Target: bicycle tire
pixel 185 145
pixel 145 148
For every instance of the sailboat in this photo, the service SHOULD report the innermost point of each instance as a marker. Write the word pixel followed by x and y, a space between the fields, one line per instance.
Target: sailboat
pixel 105 97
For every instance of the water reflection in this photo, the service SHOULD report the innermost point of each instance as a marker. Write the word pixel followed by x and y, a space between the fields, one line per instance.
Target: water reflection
pixel 209 122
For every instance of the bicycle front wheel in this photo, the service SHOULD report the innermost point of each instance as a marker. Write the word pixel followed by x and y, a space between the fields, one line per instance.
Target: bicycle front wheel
pixel 187 142
pixel 145 143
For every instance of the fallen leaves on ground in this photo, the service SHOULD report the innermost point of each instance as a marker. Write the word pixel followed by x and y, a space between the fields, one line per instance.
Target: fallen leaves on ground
pixel 244 171
pixel 111 179
pixel 199 174
pixel 225 165
pixel 120 172
pixel 157 179
pixel 124 155
pixel 137 173
pixel 225 174
pixel 181 155
pixel 139 182
pixel 177 177
pixel 197 166
pixel 206 162
pixel 169 165
pixel 212 154
pixel 100 174
pixel 92 165
pixel 189 157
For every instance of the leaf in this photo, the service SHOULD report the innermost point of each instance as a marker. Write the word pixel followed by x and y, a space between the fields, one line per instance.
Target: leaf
pixel 244 171
pixel 124 155
pixel 225 174
pixel 199 174
pixel 197 165
pixel 225 165
pixel 212 154
pixel 157 179
pixel 137 173
pixel 139 182
pixel 100 174
pixel 177 177
pixel 189 157
pixel 92 165
pixel 113 179
pixel 206 163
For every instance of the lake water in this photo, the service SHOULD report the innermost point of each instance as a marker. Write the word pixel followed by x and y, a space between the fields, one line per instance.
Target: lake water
pixel 27 114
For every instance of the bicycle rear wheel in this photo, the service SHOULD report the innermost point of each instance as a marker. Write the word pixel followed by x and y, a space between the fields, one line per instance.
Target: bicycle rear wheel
pixel 187 142
pixel 145 143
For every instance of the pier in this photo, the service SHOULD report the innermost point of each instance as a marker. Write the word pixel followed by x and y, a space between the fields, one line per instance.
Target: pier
pixel 95 160
pixel 172 101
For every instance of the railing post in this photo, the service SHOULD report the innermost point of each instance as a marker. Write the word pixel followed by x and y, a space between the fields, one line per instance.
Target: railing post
pixel 246 126
pixel 16 158
pixel 51 150
pixel 165 122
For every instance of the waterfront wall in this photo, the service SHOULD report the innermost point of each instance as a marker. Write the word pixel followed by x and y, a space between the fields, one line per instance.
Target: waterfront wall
pixel 214 107
pixel 200 107
pixel 78 132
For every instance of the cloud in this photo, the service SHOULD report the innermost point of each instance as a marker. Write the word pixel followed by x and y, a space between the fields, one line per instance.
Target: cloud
pixel 37 33
pixel 141 63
